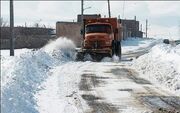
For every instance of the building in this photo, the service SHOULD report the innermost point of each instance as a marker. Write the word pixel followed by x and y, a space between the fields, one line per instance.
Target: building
pixel 88 16
pixel 130 28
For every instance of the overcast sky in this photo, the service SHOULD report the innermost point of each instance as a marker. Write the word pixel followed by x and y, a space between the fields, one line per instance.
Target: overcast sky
pixel 163 16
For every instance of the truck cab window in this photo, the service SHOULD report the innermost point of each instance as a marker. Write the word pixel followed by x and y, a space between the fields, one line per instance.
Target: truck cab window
pixel 98 28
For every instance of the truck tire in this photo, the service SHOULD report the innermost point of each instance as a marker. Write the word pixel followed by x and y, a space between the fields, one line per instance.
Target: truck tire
pixel 113 47
pixel 118 49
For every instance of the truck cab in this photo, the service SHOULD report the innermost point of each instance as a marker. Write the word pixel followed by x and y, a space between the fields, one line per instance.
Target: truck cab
pixel 98 36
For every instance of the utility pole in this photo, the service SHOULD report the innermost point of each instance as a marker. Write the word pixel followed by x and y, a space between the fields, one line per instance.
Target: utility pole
pixel 141 27
pixel 109 11
pixel 179 28
pixel 119 17
pixel 123 9
pixel 82 10
pixel 11 28
pixel 146 27
pixel 82 17
pixel 135 26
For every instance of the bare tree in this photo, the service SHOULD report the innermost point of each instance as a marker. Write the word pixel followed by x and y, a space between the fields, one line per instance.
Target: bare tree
pixel 3 23
pixel 37 23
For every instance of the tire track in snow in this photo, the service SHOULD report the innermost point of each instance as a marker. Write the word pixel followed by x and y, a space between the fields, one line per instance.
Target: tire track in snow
pixel 61 93
pixel 88 83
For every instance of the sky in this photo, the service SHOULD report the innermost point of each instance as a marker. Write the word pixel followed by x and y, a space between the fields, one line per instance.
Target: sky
pixel 163 16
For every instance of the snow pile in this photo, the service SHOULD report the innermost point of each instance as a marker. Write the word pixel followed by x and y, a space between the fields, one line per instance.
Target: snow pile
pixel 62 48
pixel 22 75
pixel 113 59
pixel 106 59
pixel 161 66
pixel 61 93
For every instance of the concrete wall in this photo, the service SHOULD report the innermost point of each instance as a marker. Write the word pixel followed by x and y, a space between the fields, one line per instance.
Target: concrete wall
pixel 70 30
pixel 23 41
pixel 26 37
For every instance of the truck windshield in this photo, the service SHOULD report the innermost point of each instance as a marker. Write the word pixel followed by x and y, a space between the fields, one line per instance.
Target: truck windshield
pixel 98 28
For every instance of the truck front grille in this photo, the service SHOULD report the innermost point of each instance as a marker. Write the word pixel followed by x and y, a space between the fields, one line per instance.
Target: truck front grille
pixel 97 44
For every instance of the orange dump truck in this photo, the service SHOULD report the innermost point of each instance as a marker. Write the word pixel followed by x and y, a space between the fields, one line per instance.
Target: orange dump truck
pixel 101 38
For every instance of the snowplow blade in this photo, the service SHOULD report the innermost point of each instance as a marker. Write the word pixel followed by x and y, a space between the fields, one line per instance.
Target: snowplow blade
pixel 94 54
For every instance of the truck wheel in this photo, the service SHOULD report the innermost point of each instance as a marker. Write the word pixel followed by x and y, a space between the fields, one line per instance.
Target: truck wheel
pixel 120 50
pixel 113 47
pixel 117 48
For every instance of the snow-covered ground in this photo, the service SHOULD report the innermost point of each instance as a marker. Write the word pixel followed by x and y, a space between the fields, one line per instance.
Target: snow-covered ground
pixel 22 75
pixel 161 66
pixel 47 80
pixel 61 93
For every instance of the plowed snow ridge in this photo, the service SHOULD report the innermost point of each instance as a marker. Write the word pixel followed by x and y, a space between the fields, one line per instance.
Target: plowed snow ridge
pixel 161 66
pixel 22 75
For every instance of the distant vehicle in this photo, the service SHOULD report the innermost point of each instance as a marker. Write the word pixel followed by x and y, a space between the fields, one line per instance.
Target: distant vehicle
pixel 166 41
pixel 174 42
pixel 177 42
pixel 101 38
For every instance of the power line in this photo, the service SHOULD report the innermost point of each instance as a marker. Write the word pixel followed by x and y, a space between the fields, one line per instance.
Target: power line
pixel 146 27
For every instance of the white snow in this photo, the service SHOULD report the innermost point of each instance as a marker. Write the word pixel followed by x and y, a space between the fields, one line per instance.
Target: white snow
pixel 63 85
pixel 113 59
pixel 161 66
pixel 46 80
pixel 23 74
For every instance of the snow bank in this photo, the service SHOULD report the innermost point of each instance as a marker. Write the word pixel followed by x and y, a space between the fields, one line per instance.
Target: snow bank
pixel 22 75
pixel 109 59
pixel 161 66
pixel 61 92
pixel 62 48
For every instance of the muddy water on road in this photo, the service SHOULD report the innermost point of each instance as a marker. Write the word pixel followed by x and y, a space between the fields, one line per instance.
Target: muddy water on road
pixel 116 89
